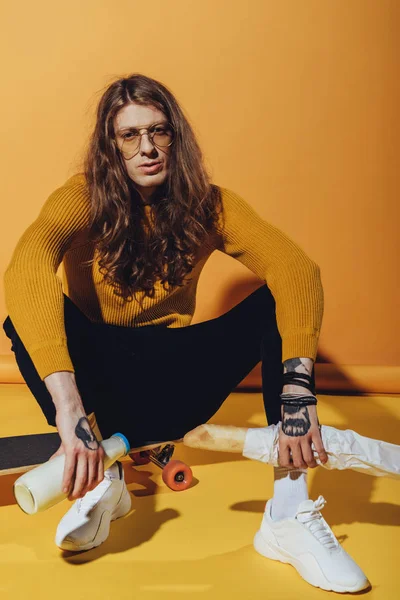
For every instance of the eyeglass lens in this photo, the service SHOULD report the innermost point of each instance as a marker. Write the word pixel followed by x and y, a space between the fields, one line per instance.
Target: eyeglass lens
pixel 160 135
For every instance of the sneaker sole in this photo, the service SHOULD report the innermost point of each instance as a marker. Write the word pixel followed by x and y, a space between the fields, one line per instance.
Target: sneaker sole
pixel 122 508
pixel 314 577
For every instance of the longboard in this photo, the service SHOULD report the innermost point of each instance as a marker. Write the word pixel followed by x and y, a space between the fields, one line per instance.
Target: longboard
pixel 21 453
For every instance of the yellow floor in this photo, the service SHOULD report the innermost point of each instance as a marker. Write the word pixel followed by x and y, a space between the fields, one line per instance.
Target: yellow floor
pixel 198 543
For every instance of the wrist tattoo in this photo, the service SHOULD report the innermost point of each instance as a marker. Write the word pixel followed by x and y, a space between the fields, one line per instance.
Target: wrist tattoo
pixel 295 421
pixel 299 365
pixel 83 432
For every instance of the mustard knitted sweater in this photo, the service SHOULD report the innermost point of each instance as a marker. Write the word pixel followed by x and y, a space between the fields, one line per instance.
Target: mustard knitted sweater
pixel 34 292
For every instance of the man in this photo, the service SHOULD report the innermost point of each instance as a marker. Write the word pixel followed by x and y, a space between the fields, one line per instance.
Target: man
pixel 129 230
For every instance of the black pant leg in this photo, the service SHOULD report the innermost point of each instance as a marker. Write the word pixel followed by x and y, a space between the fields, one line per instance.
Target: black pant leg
pixel 30 374
pixel 251 333
pixel 76 324
pixel 165 381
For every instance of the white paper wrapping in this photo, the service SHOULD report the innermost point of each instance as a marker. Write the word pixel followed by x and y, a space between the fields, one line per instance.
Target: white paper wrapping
pixel 346 449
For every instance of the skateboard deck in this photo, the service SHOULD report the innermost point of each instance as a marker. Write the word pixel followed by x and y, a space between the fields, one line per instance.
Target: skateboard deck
pixel 21 453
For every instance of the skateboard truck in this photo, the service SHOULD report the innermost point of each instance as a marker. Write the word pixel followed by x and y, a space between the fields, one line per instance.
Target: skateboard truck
pixel 176 474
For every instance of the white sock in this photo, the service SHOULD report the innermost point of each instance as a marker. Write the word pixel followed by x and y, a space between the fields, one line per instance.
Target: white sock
pixel 290 488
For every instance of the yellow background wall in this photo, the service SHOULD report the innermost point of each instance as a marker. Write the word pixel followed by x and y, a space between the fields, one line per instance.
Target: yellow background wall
pixel 295 105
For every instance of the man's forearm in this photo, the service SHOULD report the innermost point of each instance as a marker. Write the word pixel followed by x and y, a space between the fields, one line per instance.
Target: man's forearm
pixel 63 390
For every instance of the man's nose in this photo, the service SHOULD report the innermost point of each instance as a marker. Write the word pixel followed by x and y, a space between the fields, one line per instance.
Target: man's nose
pixel 146 145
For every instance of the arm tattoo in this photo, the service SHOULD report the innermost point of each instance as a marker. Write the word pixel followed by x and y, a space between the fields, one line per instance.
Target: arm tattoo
pixel 300 365
pixel 296 421
pixel 84 433
pixel 292 363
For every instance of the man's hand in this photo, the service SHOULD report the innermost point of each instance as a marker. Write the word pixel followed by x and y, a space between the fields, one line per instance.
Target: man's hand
pixel 299 429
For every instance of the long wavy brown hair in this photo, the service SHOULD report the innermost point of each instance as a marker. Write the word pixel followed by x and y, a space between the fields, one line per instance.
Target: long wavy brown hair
pixel 186 212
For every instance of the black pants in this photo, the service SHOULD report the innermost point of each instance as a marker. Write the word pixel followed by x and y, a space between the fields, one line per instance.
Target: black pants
pixel 155 383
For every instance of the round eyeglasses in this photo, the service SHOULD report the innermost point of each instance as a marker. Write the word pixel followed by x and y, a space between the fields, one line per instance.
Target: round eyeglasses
pixel 161 135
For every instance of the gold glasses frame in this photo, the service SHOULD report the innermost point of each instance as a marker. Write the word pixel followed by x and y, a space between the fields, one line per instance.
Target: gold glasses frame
pixel 151 134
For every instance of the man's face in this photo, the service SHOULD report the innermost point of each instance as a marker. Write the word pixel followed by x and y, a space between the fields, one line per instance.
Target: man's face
pixel 136 116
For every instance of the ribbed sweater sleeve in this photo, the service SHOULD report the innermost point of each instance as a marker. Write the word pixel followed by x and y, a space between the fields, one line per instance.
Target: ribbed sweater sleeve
pixel 33 291
pixel 291 275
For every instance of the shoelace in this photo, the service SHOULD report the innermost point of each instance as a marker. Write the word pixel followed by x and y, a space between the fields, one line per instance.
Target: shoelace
pixel 315 523
pixel 90 499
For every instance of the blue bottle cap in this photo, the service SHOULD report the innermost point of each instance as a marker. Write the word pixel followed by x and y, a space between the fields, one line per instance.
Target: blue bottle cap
pixel 124 439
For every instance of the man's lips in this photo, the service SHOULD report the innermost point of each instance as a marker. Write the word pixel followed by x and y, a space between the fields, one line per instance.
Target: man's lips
pixel 150 164
pixel 152 168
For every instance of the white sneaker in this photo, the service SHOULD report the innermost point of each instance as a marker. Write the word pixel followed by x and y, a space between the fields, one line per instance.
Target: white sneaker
pixel 307 542
pixel 87 523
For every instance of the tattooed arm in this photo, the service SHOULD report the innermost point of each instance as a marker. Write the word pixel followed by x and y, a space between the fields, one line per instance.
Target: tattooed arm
pixel 84 456
pixel 300 427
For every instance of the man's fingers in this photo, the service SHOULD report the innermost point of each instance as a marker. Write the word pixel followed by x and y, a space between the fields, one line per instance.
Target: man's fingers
pixel 69 470
pixel 284 456
pixel 100 471
pixel 308 455
pixel 80 478
pixel 319 447
pixel 298 460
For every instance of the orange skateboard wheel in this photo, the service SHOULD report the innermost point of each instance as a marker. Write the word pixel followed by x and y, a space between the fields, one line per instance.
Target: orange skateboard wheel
pixel 177 475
